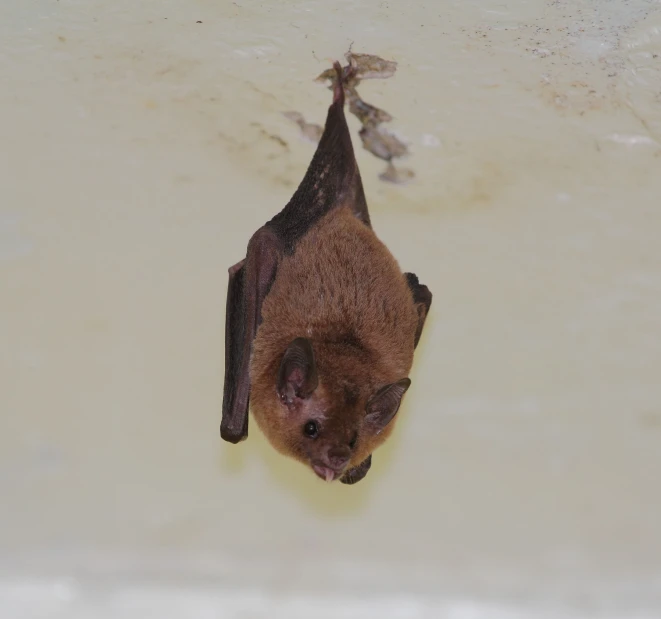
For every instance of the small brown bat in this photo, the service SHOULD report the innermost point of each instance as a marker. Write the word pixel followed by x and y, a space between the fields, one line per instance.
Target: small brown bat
pixel 321 323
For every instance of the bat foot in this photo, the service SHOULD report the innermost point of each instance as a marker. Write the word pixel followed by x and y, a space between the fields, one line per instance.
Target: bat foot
pixel 338 90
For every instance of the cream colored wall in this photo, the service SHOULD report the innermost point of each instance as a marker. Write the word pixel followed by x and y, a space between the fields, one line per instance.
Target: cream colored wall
pixel 523 479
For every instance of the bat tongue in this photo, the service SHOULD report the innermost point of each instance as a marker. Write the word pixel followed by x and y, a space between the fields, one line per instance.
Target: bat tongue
pixel 325 472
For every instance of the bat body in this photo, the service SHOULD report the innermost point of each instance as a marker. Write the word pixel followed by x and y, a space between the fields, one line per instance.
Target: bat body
pixel 321 323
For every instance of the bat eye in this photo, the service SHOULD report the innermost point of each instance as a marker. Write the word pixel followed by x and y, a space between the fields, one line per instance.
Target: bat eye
pixel 353 441
pixel 310 429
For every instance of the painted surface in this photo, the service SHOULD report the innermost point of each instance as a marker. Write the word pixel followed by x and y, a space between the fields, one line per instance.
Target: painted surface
pixel 139 149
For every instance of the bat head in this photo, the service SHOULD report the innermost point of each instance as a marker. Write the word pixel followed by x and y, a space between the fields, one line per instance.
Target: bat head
pixel 328 419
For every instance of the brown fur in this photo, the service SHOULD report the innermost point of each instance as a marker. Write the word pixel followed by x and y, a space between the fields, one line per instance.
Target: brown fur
pixel 343 290
pixel 321 323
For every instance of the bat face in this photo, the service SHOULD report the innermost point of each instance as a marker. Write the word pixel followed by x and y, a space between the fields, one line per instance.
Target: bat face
pixel 321 323
pixel 327 420
pixel 317 430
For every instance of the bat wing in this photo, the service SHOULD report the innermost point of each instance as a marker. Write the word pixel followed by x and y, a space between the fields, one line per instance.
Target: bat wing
pixel 331 181
pixel 422 298
pixel 234 427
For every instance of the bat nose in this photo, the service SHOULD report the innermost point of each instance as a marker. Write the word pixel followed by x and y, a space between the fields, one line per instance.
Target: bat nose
pixel 338 457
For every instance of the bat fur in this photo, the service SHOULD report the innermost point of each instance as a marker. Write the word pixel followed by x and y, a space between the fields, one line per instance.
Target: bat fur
pixel 321 323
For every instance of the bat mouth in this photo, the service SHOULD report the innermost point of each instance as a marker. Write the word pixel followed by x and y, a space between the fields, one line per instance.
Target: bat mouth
pixel 326 473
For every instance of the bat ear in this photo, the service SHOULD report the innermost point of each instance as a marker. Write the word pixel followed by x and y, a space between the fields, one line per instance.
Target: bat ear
pixel 384 404
pixel 298 372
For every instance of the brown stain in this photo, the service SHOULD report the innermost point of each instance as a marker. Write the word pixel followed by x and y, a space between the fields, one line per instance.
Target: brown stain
pixel 397 176
pixel 273 163
pixel 205 108
pixel 284 181
pixel 259 91
pixel 482 187
pixel 96 325
pixel 650 420
pixel 256 147
pixel 176 69
pixel 475 184
pixel 309 131
pixel 573 83
pixel 575 97
pixel 183 179
pixel 271 136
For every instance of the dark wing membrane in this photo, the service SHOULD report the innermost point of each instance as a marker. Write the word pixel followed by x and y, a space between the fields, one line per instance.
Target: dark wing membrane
pixel 332 179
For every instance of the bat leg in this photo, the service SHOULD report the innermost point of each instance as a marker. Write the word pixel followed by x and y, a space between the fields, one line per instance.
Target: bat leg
pixel 354 475
pixel 422 298
pixel 249 283
pixel 332 179
pixel 357 201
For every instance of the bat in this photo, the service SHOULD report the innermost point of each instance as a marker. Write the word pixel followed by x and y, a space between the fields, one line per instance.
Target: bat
pixel 321 324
